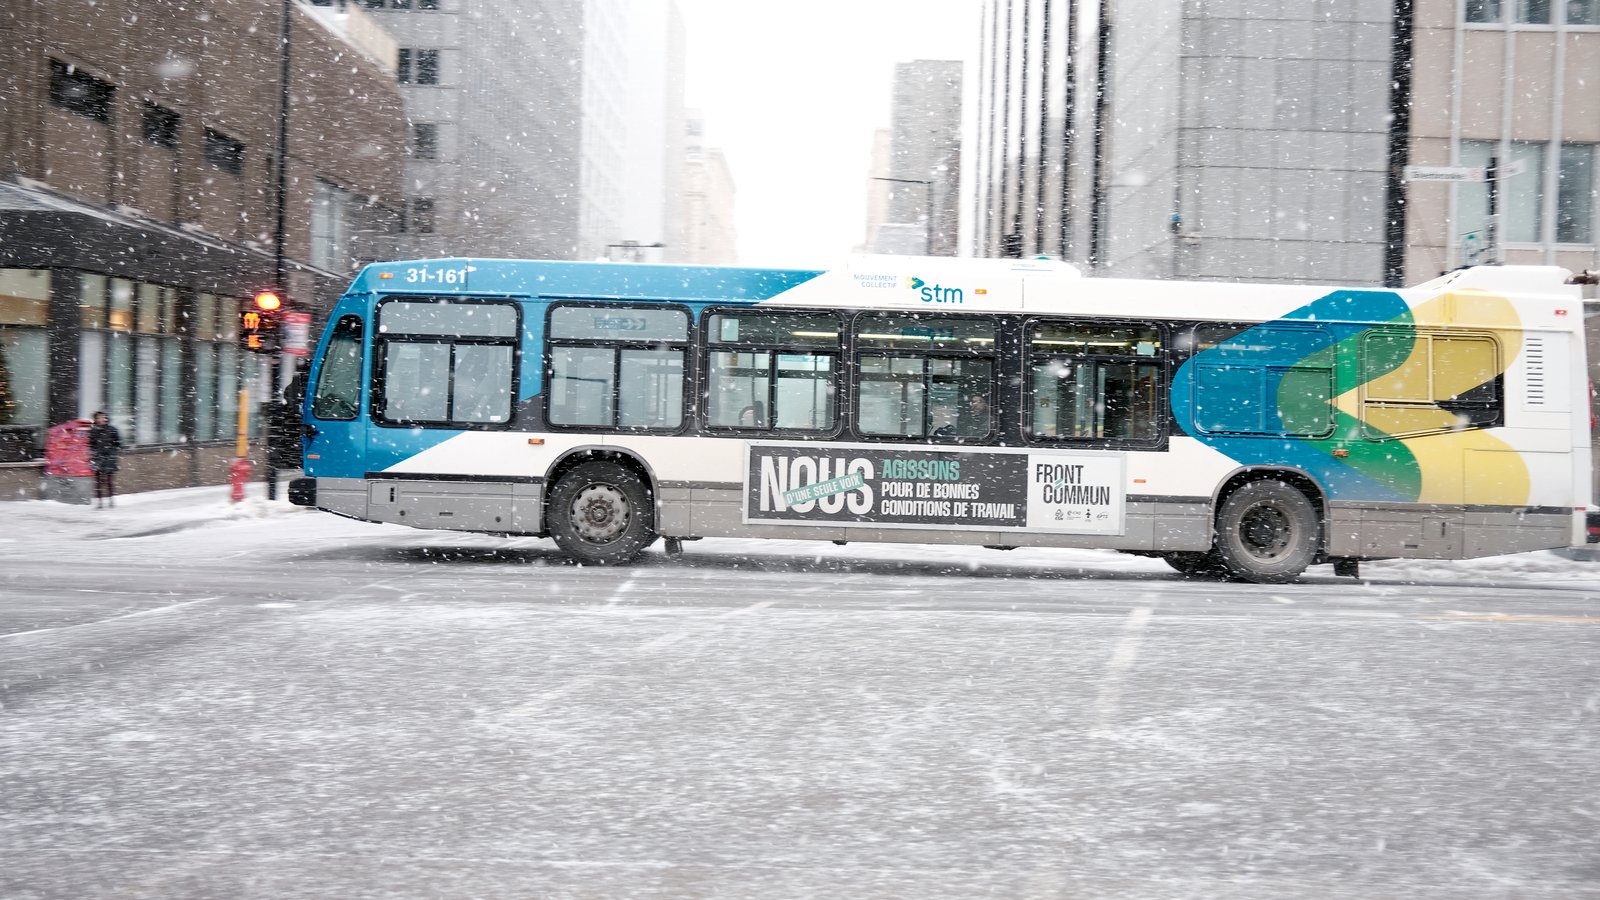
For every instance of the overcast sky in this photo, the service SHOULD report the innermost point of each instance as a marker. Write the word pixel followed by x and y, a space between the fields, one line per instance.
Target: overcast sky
pixel 792 92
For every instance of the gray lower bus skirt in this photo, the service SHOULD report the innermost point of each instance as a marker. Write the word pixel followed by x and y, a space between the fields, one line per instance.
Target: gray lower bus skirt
pixel 1154 525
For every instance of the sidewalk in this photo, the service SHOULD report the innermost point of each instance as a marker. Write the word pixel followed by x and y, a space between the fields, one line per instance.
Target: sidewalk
pixel 142 514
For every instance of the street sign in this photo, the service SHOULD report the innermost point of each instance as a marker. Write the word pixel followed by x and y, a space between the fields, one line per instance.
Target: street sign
pixel 1444 173
pixel 296 333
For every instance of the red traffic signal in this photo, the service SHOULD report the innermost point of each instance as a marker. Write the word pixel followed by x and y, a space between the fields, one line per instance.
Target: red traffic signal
pixel 267 301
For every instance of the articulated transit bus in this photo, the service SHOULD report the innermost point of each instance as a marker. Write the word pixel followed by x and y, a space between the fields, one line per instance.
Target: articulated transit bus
pixel 1234 430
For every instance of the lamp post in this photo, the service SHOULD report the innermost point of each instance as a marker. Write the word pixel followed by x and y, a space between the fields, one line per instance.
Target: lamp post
pixel 927 214
pixel 634 249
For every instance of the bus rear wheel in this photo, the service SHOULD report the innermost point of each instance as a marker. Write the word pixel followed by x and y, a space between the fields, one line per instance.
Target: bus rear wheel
pixel 1267 532
pixel 601 514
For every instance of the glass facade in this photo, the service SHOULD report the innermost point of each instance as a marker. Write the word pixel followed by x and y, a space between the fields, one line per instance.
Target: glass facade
pixel 24 353
pixel 162 362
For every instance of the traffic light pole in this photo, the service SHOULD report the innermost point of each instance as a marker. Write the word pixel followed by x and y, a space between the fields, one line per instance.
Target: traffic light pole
pixel 286 24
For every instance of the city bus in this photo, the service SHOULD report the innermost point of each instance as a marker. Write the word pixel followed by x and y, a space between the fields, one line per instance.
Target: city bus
pixel 1243 431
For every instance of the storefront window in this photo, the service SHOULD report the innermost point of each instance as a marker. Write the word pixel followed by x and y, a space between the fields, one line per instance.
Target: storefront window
pixel 24 348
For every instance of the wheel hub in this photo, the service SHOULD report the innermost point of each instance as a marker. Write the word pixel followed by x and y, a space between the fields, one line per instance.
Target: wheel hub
pixel 1265 531
pixel 600 513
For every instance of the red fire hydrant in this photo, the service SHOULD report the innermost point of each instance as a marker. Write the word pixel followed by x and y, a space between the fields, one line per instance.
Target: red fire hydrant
pixel 238 474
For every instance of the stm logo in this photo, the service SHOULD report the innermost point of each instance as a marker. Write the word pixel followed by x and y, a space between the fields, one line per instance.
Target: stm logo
pixel 936 293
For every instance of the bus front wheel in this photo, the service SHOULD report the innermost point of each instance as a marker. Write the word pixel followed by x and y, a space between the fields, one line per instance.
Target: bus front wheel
pixel 1267 532
pixel 600 513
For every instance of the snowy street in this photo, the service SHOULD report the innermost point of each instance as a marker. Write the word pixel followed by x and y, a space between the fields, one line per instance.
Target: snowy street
pixel 202 700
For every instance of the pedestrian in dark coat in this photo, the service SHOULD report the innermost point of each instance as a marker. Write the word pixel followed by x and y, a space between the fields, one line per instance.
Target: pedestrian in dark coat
pixel 105 445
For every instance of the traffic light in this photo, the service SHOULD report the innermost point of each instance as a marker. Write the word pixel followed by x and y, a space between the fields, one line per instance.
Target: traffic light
pixel 258 322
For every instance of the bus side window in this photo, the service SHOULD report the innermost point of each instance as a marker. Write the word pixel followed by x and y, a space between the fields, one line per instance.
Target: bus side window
pixel 924 376
pixel 338 394
pixel 616 365
pixel 445 363
pixel 1095 381
pixel 771 370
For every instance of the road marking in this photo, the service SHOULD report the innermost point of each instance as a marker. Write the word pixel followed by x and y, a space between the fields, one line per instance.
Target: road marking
pixel 1456 616
pixel 663 641
pixel 754 607
pixel 556 693
pixel 1122 657
pixel 676 636
pixel 154 610
pixel 621 589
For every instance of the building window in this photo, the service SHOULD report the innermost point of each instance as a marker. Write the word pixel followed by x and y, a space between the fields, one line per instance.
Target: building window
pixel 1521 196
pixel 420 219
pixel 80 92
pixel 427 4
pixel 1533 12
pixel 1575 189
pixel 425 141
pixel 160 125
pixel 24 349
pixel 330 226
pixel 224 152
pixel 131 360
pixel 418 66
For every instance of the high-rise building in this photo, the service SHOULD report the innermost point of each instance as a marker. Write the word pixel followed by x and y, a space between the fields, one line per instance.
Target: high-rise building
pixel 633 120
pixel 924 157
pixel 492 94
pixel 709 236
pixel 603 171
pixel 1269 139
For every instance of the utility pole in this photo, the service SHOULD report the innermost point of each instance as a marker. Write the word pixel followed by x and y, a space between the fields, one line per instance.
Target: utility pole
pixel 280 264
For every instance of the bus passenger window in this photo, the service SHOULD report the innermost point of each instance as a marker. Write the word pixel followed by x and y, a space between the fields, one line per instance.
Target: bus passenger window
pixel 768 370
pixel 446 363
pixel 616 366
pixel 338 393
pixel 1095 382
pixel 922 376
pixel 1423 383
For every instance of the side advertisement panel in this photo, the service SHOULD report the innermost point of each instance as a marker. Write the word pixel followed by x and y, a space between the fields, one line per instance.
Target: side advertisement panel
pixel 1072 492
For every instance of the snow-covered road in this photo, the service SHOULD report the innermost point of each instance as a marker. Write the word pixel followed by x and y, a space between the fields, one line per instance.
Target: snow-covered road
pixel 205 700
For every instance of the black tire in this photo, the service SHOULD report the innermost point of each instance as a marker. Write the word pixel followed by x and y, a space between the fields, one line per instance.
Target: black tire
pixel 1192 564
pixel 1267 532
pixel 601 513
